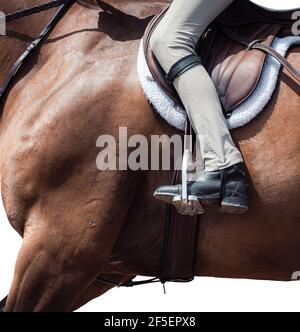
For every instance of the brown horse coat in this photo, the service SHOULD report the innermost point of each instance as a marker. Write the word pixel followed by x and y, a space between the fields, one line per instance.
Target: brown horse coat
pixel 79 223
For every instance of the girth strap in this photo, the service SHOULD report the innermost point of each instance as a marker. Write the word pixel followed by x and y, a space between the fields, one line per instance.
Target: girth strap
pixel 178 255
pixel 182 66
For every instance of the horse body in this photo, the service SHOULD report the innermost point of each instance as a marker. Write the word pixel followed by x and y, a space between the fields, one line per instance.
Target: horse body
pixel 79 223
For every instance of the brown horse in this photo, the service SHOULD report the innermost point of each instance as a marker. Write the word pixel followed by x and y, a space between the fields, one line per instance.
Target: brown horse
pixel 79 223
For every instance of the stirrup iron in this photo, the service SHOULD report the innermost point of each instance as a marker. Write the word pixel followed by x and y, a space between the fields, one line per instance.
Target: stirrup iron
pixel 187 204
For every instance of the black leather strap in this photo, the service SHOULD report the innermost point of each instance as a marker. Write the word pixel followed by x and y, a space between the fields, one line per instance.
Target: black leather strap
pixel 33 10
pixel 2 304
pixel 180 239
pixel 33 46
pixel 182 66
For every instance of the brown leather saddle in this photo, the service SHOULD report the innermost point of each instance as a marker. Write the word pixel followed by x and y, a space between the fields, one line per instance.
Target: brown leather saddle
pixel 233 49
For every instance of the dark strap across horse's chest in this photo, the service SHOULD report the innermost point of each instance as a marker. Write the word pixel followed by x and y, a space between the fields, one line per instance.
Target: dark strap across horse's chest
pixel 64 5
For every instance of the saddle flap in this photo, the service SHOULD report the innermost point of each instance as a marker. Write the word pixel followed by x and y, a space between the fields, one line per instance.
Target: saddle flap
pixel 235 70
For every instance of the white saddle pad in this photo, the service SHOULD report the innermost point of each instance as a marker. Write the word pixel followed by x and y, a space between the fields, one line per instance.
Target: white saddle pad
pixel 242 115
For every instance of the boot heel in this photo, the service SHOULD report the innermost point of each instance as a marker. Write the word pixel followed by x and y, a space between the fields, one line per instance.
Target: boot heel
pixel 192 207
pixel 233 205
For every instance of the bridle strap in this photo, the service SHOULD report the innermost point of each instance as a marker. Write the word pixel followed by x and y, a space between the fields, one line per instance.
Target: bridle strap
pixel 34 44
pixel 33 10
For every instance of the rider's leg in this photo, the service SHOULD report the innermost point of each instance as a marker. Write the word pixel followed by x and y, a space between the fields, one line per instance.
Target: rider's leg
pixel 175 38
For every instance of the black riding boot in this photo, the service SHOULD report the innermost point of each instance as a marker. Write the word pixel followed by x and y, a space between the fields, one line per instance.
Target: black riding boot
pixel 229 188
pixel 235 190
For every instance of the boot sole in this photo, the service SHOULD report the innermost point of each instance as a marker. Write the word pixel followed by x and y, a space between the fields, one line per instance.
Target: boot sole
pixel 229 205
pixel 231 209
pixel 232 205
pixel 168 199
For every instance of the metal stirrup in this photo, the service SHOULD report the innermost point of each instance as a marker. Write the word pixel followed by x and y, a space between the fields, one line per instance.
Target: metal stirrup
pixel 182 66
pixel 187 204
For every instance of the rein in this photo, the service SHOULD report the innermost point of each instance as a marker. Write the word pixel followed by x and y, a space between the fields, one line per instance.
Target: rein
pixel 64 5
pixel 34 10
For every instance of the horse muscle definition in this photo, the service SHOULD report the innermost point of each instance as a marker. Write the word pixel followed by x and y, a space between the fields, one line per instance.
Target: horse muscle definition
pixel 79 223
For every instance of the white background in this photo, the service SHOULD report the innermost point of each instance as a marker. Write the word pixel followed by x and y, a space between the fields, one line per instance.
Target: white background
pixel 278 4
pixel 204 294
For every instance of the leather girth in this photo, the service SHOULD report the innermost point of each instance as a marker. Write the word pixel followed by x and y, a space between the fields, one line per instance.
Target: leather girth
pixel 177 263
